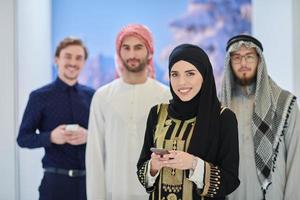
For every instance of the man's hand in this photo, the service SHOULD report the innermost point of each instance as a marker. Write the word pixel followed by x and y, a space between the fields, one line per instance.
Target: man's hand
pixel 77 137
pixel 58 135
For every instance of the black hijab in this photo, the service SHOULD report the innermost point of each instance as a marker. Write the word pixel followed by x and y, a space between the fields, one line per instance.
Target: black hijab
pixel 205 105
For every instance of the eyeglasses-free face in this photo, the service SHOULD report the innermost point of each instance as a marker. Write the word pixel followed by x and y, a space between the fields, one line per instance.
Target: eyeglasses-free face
pixel 186 80
pixel 134 54
pixel 70 62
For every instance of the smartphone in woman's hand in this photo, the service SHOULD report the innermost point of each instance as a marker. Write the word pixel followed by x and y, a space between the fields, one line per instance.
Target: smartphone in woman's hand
pixel 159 151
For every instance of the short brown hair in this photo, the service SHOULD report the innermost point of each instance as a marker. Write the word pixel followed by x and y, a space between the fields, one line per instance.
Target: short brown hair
pixel 68 41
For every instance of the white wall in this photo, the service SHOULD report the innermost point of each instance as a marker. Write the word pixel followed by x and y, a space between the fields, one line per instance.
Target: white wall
pixel 8 102
pixel 274 23
pixel 296 47
pixel 34 63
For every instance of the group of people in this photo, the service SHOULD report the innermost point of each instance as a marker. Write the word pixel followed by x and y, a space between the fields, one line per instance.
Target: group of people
pixel 242 144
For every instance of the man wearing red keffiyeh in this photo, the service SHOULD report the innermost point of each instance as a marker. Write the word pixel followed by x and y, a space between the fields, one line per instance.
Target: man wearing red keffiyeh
pixel 118 118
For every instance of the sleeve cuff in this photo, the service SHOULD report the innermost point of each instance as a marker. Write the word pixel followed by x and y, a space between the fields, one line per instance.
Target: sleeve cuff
pixel 150 179
pixel 45 138
pixel 197 175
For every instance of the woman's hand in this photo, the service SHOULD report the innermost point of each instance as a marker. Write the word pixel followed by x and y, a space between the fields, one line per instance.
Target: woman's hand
pixel 156 163
pixel 179 160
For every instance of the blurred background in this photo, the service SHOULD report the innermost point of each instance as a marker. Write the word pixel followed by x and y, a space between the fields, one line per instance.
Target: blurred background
pixel 207 23
pixel 31 29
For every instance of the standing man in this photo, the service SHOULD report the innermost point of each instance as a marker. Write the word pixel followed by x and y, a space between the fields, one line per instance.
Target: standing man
pixel 59 112
pixel 117 125
pixel 269 125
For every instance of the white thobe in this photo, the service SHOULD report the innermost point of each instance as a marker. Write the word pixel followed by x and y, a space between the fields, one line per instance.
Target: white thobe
pixel 116 132
pixel 286 174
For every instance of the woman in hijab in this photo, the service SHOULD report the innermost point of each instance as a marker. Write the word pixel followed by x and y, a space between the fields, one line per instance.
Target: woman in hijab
pixel 197 139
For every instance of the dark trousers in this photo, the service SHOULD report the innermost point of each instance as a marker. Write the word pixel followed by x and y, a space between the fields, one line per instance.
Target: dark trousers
pixel 62 187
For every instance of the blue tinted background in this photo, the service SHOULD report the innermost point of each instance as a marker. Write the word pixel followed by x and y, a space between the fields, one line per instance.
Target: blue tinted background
pixel 207 23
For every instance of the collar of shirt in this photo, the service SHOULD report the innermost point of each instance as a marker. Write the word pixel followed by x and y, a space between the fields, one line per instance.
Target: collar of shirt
pixel 64 86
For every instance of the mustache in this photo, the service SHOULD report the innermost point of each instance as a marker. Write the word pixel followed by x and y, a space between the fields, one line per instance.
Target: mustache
pixel 133 59
pixel 244 68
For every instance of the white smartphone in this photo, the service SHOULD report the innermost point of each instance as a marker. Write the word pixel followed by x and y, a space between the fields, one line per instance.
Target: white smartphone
pixel 159 151
pixel 72 127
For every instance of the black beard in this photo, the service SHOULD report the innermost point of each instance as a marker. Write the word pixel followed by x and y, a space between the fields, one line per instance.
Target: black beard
pixel 245 81
pixel 139 68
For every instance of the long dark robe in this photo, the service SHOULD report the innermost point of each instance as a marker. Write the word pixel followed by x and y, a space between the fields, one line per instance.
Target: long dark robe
pixel 220 172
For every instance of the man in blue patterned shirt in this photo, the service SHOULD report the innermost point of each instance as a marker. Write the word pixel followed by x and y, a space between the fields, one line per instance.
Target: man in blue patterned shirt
pixel 56 118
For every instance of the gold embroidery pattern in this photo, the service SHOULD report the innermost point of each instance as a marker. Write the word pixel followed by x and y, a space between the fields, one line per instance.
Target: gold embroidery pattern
pixel 212 180
pixel 171 176
pixel 173 183
pixel 172 188
pixel 142 173
pixel 171 197
pixel 162 125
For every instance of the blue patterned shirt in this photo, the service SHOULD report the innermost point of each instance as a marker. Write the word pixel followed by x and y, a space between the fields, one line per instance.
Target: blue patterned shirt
pixel 48 107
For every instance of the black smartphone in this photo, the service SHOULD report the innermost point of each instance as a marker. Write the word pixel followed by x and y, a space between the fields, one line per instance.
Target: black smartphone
pixel 159 151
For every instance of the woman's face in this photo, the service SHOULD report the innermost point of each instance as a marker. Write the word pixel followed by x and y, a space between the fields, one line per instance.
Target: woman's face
pixel 186 80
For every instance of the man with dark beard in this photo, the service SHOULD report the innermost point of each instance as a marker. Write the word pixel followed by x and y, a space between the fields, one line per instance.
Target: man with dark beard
pixel 118 119
pixel 268 122
pixel 56 118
